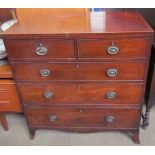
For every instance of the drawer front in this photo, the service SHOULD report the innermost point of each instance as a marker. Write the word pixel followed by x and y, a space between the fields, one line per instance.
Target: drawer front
pixel 87 93
pixel 6 72
pixel 45 71
pixel 120 48
pixel 9 100
pixel 81 71
pixel 41 49
pixel 67 117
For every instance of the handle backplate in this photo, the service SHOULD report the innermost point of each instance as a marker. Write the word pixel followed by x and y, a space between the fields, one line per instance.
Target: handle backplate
pixel 110 119
pixel 53 118
pixel 111 95
pixel 41 51
pixel 112 72
pixel 49 94
pixel 112 50
pixel 45 72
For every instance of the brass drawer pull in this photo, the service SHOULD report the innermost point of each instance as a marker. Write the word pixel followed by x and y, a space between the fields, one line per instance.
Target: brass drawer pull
pixel 112 72
pixel 45 72
pixel 49 94
pixel 110 119
pixel 112 50
pixel 111 95
pixel 41 51
pixel 53 118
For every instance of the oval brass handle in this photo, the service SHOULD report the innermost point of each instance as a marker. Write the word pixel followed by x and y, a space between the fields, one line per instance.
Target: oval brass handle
pixel 110 119
pixel 111 95
pixel 48 94
pixel 45 72
pixel 53 118
pixel 41 51
pixel 112 50
pixel 112 72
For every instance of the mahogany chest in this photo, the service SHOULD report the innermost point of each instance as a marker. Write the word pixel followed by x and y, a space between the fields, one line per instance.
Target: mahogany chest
pixel 80 70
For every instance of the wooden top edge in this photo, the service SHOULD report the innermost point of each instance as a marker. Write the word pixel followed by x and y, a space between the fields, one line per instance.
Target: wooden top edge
pixel 69 22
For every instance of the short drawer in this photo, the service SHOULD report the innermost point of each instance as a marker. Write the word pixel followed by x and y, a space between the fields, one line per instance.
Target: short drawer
pixel 81 71
pixel 83 93
pixel 67 117
pixel 114 48
pixel 41 49
pixel 9 100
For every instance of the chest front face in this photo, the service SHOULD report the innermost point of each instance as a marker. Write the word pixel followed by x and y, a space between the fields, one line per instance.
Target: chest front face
pixel 89 78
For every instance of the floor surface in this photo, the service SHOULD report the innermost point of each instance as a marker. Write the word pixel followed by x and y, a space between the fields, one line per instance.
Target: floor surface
pixel 18 134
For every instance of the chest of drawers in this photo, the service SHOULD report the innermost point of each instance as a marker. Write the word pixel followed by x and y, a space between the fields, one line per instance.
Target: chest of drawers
pixel 82 78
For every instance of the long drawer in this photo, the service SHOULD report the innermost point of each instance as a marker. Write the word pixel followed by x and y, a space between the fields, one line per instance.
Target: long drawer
pixel 9 100
pixel 41 49
pixel 79 71
pixel 113 48
pixel 83 117
pixel 86 93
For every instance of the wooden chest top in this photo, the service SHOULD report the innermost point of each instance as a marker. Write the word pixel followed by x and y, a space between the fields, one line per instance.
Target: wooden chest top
pixel 63 22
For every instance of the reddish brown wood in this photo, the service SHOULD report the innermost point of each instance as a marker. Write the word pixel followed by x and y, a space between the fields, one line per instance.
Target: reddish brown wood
pixel 7 14
pixel 79 71
pixel 75 94
pixel 83 117
pixel 135 137
pixel 55 47
pixel 5 72
pixel 38 22
pixel 128 48
pixel 3 121
pixel 32 133
pixel 78 61
pixel 88 49
pixel 9 100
